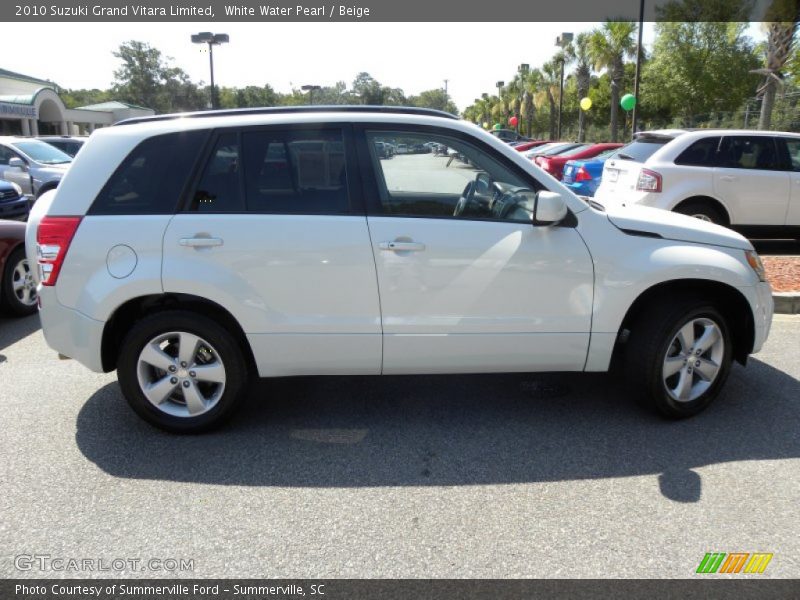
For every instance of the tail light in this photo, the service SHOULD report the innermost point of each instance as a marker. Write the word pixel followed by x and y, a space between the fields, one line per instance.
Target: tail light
pixel 582 175
pixel 649 181
pixel 53 238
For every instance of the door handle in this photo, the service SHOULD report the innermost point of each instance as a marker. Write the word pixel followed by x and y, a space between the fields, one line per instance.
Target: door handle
pixel 728 178
pixel 402 246
pixel 200 242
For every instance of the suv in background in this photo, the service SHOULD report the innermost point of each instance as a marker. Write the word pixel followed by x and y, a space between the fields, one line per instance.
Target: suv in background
pixel 746 180
pixel 66 143
pixel 190 252
pixel 35 166
pixel 13 203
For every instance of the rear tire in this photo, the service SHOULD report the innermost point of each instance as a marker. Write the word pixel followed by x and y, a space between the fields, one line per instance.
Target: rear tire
pixel 678 356
pixel 18 286
pixel 182 372
pixel 703 211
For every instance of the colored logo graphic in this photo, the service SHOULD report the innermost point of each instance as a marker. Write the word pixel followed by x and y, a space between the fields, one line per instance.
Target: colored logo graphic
pixel 735 562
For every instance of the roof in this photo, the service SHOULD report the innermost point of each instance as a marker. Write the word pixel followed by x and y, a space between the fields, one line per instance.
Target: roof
pixel 20 77
pixel 112 105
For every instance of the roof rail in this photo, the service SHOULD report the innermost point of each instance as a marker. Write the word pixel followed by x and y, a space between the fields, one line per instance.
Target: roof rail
pixel 272 110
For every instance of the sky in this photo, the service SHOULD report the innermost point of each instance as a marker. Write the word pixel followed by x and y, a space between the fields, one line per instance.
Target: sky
pixel 411 56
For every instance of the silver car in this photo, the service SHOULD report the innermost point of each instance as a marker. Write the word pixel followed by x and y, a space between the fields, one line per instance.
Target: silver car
pixel 35 166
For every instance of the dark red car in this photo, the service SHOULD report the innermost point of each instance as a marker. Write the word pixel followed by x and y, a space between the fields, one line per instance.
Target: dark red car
pixel 555 164
pixel 17 286
pixel 523 146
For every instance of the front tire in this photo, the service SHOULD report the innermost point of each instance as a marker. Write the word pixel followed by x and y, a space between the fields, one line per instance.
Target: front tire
pixel 18 286
pixel 679 356
pixel 182 372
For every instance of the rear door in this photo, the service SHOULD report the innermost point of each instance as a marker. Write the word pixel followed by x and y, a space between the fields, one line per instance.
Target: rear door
pixel 467 283
pixel 273 231
pixel 751 181
pixel 791 149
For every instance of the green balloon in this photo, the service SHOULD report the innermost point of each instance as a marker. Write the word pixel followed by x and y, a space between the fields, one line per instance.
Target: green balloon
pixel 497 126
pixel 627 102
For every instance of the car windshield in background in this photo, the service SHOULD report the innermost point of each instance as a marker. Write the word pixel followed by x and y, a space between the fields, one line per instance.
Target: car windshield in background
pixel 573 150
pixel 606 154
pixel 43 153
pixel 641 149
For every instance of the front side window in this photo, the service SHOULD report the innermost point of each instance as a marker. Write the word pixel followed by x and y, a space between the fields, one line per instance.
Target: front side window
pixel 749 152
pixel 793 146
pixel 446 177
pixel 6 154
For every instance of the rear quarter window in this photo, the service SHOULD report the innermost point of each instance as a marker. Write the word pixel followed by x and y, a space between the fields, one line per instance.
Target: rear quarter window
pixel 151 178
pixel 702 153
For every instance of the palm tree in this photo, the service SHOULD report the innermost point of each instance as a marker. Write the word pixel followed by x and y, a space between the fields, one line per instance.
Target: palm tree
pixel 583 76
pixel 608 48
pixel 783 18
pixel 551 76
pixel 531 85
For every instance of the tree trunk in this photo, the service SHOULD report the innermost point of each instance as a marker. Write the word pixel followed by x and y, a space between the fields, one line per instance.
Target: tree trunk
pixel 553 124
pixel 765 119
pixel 614 110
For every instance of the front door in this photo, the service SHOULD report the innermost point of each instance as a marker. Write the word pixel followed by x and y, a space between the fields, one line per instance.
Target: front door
pixel 467 283
pixel 21 177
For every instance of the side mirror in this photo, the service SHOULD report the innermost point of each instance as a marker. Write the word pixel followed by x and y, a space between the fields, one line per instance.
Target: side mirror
pixel 18 163
pixel 549 208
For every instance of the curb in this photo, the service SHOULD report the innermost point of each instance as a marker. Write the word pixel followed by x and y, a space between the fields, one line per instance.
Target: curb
pixel 786 303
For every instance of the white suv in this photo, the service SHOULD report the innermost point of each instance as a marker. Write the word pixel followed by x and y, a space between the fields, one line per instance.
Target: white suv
pixel 746 180
pixel 191 252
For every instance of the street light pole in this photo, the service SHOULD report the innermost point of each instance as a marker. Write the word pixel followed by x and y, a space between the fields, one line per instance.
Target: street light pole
pixel 212 39
pixel 561 42
pixel 310 89
pixel 638 67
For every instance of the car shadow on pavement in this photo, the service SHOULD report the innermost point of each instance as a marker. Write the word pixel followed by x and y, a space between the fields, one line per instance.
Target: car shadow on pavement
pixel 449 431
pixel 13 330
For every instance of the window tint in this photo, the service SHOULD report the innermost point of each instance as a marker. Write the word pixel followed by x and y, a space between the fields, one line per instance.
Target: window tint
pixel 219 188
pixel 7 154
pixel 642 149
pixel 745 152
pixel 150 180
pixel 702 153
pixel 445 177
pixel 793 146
pixel 295 172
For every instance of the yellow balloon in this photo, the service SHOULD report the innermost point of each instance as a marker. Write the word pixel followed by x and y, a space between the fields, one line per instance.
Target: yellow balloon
pixel 586 103
pixel 485 125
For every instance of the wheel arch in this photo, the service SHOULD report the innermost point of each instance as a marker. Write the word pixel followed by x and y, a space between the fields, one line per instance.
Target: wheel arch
pixel 125 315
pixel 727 299
pixel 715 202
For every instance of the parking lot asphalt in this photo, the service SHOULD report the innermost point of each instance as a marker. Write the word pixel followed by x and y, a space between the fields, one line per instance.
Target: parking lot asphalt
pixel 435 476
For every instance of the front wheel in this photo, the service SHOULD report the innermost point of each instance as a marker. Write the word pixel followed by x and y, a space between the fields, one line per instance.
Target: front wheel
pixel 182 372
pixel 679 356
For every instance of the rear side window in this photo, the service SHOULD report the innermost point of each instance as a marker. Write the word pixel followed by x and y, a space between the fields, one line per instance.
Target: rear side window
pixel 219 188
pixel 295 172
pixel 749 152
pixel 642 149
pixel 702 153
pixel 150 180
pixel 793 147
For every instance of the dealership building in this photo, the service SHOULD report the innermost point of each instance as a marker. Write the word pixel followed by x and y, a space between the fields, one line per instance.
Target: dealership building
pixel 31 106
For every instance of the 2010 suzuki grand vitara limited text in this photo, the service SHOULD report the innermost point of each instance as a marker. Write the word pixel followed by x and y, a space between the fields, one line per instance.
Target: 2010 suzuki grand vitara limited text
pixel 189 252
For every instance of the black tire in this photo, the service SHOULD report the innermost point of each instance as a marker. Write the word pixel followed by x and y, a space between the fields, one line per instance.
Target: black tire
pixel 12 304
pixel 702 210
pixel 650 340
pixel 224 346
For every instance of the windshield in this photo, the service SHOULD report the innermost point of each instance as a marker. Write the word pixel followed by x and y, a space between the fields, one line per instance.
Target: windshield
pixel 43 153
pixel 642 149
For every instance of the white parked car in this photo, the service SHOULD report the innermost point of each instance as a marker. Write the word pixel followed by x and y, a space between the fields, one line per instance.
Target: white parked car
pixel 746 180
pixel 192 252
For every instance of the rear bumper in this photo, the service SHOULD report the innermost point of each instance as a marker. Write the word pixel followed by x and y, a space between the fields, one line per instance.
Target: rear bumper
pixel 70 332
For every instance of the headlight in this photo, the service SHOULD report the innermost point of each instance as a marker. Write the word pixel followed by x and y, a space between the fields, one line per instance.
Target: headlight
pixel 755 263
pixel 17 188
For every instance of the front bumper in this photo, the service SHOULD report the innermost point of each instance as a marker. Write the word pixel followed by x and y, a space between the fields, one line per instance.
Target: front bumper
pixel 760 298
pixel 15 208
pixel 70 332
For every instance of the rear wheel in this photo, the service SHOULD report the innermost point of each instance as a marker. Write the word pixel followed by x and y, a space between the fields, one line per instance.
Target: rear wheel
pixel 182 372
pixel 18 286
pixel 703 211
pixel 679 356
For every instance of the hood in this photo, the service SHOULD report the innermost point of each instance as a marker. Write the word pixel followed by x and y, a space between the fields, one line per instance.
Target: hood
pixel 674 226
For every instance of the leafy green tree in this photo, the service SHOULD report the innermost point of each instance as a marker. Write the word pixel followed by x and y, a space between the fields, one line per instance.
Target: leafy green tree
pixel 782 26
pixel 700 67
pixel 76 98
pixel 435 98
pixel 147 79
pixel 609 46
pixel 579 51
